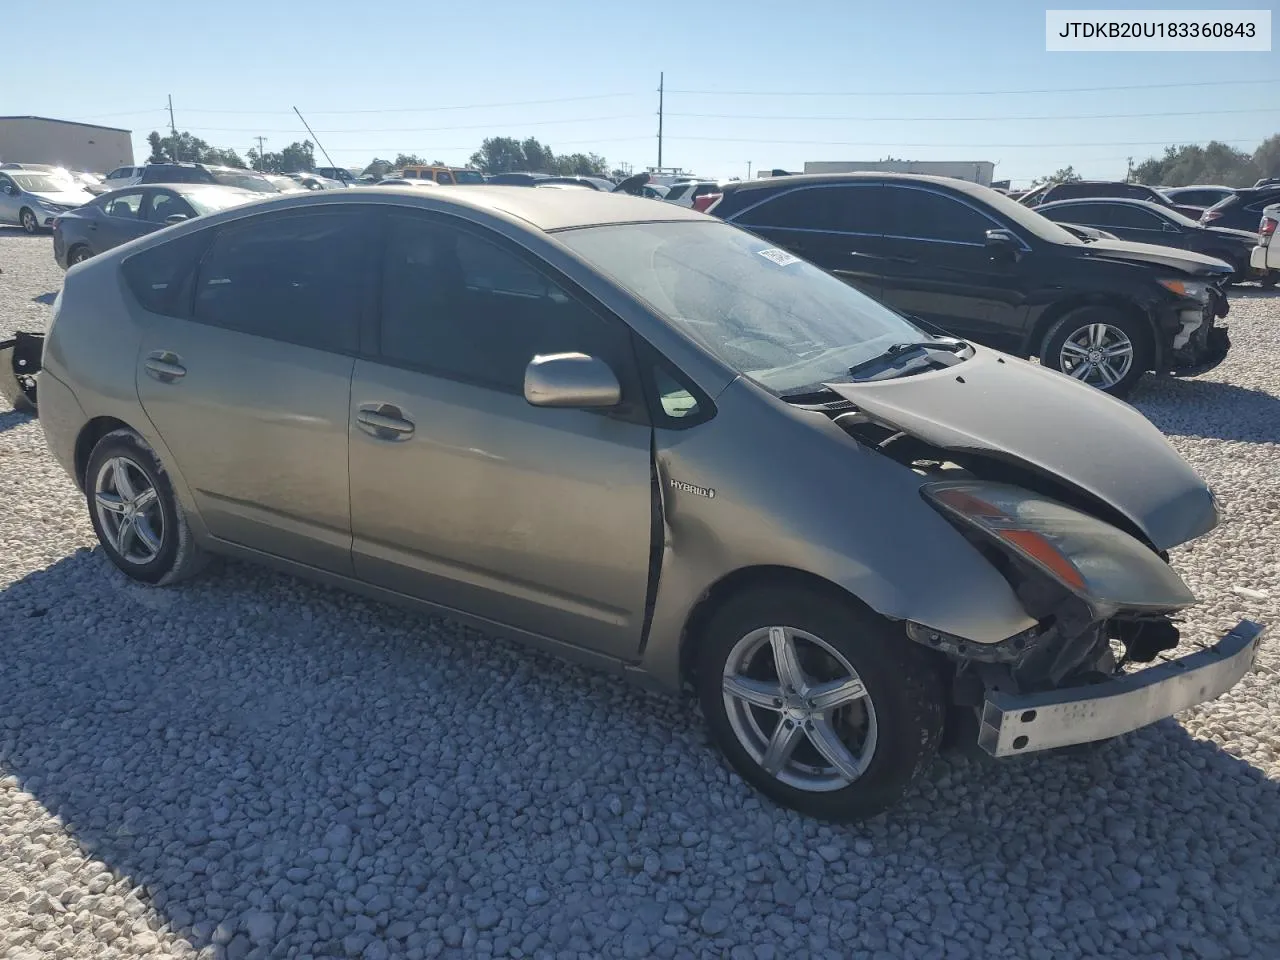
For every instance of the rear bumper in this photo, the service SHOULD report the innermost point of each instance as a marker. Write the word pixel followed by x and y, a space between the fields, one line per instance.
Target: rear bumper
pixel 1014 724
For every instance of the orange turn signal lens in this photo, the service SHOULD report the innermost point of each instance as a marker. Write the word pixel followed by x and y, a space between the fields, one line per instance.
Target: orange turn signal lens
pixel 1044 553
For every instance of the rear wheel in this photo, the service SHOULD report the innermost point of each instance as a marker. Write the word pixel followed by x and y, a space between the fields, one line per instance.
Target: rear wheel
pixel 78 254
pixel 139 521
pixel 1269 280
pixel 818 703
pixel 1101 346
pixel 30 223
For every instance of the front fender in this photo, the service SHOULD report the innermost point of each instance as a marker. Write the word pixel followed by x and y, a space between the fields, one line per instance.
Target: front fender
pixel 792 490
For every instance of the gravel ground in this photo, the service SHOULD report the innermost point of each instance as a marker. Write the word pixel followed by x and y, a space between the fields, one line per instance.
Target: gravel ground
pixel 251 766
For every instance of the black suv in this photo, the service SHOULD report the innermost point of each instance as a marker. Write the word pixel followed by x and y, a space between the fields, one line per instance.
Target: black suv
pixel 973 262
pixel 1243 209
pixel 203 173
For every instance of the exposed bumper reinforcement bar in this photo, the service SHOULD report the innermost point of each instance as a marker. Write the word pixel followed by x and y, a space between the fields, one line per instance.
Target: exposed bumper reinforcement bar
pixel 1014 724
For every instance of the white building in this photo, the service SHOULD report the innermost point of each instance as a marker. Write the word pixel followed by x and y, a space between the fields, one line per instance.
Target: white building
pixel 975 171
pixel 65 143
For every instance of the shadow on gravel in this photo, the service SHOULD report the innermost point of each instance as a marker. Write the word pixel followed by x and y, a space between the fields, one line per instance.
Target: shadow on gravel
pixel 14 418
pixel 46 298
pixel 285 767
pixel 1207 408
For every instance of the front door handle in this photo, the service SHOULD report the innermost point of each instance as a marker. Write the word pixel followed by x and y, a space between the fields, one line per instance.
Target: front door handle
pixel 165 366
pixel 384 420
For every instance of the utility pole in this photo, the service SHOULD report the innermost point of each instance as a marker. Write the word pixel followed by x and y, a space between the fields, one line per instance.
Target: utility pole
pixel 1128 173
pixel 260 140
pixel 661 85
pixel 173 128
pixel 748 169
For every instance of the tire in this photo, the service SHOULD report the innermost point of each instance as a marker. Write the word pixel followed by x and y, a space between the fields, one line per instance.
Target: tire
pixel 78 254
pixel 30 222
pixel 1269 280
pixel 890 734
pixel 1121 330
pixel 161 549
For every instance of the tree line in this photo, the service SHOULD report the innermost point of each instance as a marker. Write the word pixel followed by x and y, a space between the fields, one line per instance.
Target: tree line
pixel 1215 162
pixel 496 155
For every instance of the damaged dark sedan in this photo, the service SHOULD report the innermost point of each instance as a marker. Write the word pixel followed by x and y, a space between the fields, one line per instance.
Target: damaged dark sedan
pixel 650 441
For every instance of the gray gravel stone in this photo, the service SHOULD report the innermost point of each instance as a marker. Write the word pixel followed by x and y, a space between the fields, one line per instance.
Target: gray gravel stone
pixel 251 766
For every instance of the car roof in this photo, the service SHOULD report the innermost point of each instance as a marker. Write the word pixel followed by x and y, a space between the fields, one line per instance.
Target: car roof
pixel 1122 201
pixel 545 210
pixel 1198 186
pixel 863 176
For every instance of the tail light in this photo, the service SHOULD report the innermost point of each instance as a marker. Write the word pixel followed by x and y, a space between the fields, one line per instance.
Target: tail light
pixel 1209 216
pixel 1267 227
pixel 704 202
pixel 57 222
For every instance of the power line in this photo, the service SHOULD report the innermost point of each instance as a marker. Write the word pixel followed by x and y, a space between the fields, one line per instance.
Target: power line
pixel 461 106
pixel 962 146
pixel 967 93
pixel 467 126
pixel 1068 116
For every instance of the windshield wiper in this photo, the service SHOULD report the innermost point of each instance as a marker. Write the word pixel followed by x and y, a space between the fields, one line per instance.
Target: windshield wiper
pixel 901 352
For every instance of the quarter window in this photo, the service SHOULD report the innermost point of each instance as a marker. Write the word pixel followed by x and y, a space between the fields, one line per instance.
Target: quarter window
pixel 925 215
pixel 161 277
pixel 125 206
pixel 466 308
pixel 301 278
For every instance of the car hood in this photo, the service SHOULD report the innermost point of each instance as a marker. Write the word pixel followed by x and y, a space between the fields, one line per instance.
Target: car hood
pixel 73 198
pixel 1172 257
pixel 1043 421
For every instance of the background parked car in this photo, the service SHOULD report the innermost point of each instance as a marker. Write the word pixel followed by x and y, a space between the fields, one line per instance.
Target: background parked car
pixel 1144 222
pixel 1198 194
pixel 32 199
pixel 1265 257
pixel 687 193
pixel 121 215
pixel 123 177
pixel 402 182
pixel 1075 189
pixel 203 173
pixel 517 179
pixel 1243 209
pixel 973 262
pixel 595 183
pixel 341 174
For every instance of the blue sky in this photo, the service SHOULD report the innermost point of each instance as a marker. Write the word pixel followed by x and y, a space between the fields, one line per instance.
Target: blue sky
pixel 746 82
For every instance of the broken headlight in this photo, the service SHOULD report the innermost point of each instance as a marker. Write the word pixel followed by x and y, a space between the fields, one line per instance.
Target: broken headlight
pixel 1104 566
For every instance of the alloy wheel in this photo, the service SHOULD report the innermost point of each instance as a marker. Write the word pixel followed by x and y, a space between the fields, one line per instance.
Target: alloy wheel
pixel 29 222
pixel 129 511
pixel 1098 354
pixel 799 709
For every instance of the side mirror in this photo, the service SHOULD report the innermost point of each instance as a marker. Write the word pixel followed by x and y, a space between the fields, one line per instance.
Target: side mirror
pixel 176 218
pixel 1003 243
pixel 1167 227
pixel 570 380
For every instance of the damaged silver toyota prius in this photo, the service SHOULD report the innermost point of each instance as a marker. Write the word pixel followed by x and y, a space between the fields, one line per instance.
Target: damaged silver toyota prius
pixel 647 440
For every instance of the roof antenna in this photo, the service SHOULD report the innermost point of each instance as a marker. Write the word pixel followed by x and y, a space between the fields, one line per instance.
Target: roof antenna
pixel 315 138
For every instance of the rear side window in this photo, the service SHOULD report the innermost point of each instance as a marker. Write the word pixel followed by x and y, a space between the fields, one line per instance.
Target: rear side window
pixel 444 176
pixel 925 215
pixel 677 191
pixel 301 278
pixel 848 209
pixel 161 278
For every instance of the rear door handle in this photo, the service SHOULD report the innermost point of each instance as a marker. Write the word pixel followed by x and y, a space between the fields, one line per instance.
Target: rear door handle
pixel 384 421
pixel 165 366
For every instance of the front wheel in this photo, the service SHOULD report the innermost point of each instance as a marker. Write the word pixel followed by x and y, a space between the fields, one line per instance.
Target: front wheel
pixel 1101 346
pixel 30 223
pixel 817 702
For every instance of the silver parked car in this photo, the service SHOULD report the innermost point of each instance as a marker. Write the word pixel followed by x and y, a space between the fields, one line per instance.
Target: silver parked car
pixel 33 199
pixel 644 439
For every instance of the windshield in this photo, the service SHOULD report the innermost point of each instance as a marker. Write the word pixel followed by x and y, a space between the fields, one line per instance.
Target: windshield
pixel 42 183
pixel 468 176
pixel 245 181
pixel 763 312
pixel 209 201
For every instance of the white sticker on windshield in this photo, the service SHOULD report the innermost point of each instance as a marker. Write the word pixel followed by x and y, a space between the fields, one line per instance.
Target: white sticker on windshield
pixel 780 257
